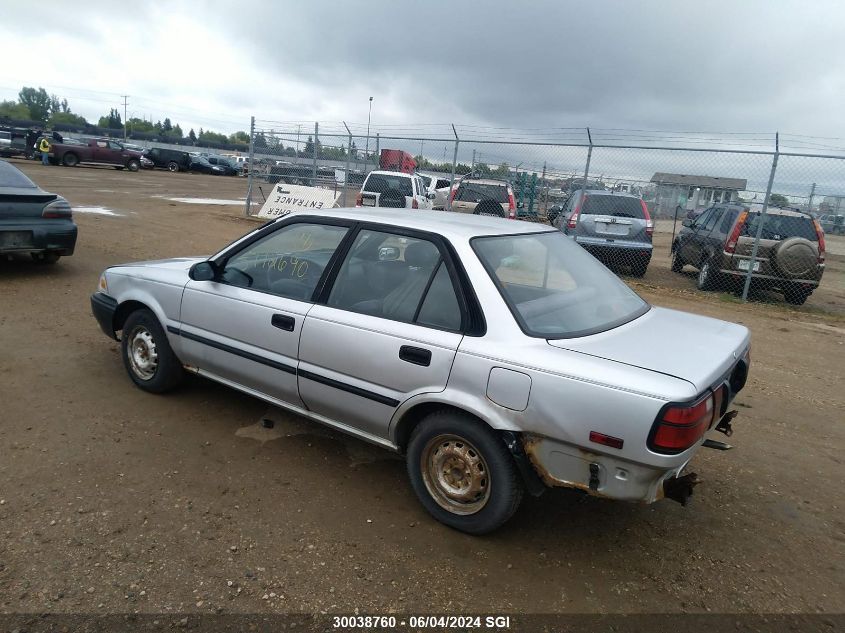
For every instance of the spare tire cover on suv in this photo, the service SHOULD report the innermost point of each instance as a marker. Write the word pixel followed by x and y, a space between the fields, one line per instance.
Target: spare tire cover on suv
pixel 795 258
pixel 392 199
pixel 489 207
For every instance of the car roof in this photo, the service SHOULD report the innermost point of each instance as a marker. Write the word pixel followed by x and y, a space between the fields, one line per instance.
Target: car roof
pixel 452 226
pixel 605 192
pixel 387 172
pixel 485 181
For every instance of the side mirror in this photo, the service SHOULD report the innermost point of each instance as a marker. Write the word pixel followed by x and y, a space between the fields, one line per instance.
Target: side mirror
pixel 203 271
pixel 388 253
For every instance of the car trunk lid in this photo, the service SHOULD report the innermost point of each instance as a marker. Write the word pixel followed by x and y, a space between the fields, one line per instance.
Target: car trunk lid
pixel 17 202
pixel 694 348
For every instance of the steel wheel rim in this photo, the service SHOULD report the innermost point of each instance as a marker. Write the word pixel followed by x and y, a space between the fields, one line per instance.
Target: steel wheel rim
pixel 455 474
pixel 703 273
pixel 142 353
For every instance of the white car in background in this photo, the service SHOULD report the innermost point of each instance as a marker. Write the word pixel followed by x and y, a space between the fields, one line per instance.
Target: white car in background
pixel 394 190
pixel 439 187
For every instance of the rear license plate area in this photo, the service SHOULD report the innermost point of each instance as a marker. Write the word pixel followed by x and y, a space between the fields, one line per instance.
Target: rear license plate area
pixel 743 264
pixel 15 239
pixel 611 229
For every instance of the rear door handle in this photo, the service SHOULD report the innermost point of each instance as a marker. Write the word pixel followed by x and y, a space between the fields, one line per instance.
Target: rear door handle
pixel 415 355
pixel 283 322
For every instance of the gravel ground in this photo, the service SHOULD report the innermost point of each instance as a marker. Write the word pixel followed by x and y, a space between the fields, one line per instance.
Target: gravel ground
pixel 113 500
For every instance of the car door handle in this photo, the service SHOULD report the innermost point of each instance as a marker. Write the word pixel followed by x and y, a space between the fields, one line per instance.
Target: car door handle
pixel 415 355
pixel 283 322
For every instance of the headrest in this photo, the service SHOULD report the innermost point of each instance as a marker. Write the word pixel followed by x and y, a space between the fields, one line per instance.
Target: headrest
pixel 421 254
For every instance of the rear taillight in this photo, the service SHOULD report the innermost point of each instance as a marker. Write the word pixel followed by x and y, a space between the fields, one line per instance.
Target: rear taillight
pixel 649 225
pixel 680 426
pixel 511 203
pixel 359 200
pixel 57 209
pixel 573 219
pixel 820 233
pixel 452 195
pixel 414 204
pixel 730 247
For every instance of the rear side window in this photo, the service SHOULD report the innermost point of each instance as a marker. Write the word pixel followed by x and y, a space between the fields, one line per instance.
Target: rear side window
pixel 780 227
pixel 382 183
pixel 616 206
pixel 440 307
pixel 713 219
pixel 476 192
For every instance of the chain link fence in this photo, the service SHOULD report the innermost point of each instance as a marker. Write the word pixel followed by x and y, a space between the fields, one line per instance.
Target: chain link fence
pixel 744 217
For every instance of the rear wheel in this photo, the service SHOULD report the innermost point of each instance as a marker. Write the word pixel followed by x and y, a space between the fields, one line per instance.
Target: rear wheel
pixel 133 165
pixel 45 258
pixel 797 295
pixel 638 269
pixel 677 262
pixel 173 166
pixel 70 160
pixel 462 472
pixel 147 355
pixel 707 276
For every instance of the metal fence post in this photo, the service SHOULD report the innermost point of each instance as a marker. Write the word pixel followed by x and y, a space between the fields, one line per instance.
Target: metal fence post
pixel 346 173
pixel 589 157
pixel 314 168
pixel 250 167
pixel 448 205
pixel 377 156
pixel 761 222
pixel 810 200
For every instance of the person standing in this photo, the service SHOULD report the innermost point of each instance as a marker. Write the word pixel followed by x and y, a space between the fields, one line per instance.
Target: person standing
pixel 44 148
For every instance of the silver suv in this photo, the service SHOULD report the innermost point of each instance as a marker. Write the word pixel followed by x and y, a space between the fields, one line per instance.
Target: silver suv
pixel 614 227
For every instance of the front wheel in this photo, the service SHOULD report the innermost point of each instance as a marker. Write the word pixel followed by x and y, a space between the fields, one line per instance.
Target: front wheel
pixel 147 355
pixel 462 472
pixel 133 165
pixel 70 160
pixel 677 262
pixel 173 166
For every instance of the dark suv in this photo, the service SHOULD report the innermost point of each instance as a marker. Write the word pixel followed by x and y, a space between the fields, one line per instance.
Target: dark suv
pixel 615 227
pixel 790 258
pixel 171 159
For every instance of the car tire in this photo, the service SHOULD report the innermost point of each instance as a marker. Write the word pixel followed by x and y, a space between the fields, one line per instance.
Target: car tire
pixel 133 165
pixel 147 355
pixel 707 276
pixel 70 160
pixel 489 207
pixel 796 295
pixel 677 262
pixel 173 166
pixel 45 259
pixel 639 268
pixel 462 472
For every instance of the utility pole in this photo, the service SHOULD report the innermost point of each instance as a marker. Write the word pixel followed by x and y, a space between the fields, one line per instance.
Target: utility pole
pixel 369 116
pixel 297 141
pixel 125 103
pixel 472 168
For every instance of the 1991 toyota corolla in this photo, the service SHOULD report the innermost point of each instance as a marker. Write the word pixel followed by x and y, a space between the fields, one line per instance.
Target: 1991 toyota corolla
pixel 498 356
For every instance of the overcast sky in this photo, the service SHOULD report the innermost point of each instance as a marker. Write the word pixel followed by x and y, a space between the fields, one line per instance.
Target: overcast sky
pixel 714 67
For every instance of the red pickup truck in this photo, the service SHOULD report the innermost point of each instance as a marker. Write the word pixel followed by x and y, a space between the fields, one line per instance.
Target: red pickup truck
pixel 103 151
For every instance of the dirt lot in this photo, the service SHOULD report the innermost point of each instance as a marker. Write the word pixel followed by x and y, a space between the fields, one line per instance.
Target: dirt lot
pixel 114 500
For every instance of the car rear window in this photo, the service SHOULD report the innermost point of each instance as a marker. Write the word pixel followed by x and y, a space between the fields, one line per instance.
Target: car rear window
pixel 476 192
pixel 616 206
pixel 780 227
pixel 382 183
pixel 11 176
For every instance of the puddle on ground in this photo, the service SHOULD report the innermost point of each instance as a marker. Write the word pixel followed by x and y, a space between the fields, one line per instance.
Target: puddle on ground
pixel 217 201
pixel 287 425
pixel 97 211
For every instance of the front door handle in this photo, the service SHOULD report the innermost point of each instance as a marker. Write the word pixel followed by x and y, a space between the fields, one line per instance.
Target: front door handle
pixel 415 355
pixel 283 322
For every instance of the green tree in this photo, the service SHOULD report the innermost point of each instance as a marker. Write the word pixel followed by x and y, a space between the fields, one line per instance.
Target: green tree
pixel 13 110
pixel 66 118
pixel 192 136
pixel 135 124
pixel 167 125
pixel 112 121
pixel 778 200
pixel 37 101
pixel 239 137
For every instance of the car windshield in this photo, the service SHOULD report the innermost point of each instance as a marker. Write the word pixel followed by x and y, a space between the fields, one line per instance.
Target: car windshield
pixel 780 227
pixel 554 288
pixel 476 192
pixel 616 206
pixel 11 176
pixel 382 183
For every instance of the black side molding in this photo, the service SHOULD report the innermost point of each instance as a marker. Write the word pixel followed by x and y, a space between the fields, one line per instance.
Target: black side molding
pixel 342 386
pixel 289 369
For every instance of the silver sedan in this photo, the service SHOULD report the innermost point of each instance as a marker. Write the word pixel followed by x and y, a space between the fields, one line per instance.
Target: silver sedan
pixel 498 356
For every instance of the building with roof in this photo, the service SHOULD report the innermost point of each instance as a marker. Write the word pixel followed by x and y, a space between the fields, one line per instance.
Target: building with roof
pixel 692 192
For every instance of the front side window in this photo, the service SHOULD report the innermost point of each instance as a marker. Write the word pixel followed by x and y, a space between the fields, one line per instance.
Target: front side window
pixel 386 275
pixel 554 288
pixel 289 262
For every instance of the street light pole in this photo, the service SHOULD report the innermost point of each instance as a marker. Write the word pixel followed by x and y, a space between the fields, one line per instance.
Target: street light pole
pixel 367 149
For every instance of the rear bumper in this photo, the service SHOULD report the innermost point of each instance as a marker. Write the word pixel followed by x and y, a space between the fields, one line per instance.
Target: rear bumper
pixel 104 307
pixel 36 237
pixel 769 281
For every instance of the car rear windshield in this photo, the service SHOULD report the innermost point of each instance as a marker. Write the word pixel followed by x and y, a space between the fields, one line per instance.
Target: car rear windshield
pixel 476 192
pixel 780 227
pixel 616 206
pixel 554 288
pixel 382 183
pixel 11 176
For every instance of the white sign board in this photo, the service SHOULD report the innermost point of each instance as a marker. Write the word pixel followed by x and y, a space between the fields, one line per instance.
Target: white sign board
pixel 287 199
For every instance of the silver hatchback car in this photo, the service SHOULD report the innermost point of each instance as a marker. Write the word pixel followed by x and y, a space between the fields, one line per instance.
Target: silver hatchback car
pixel 497 356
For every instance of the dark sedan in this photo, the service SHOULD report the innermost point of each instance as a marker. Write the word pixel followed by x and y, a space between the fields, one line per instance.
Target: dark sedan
pixel 200 164
pixel 32 220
